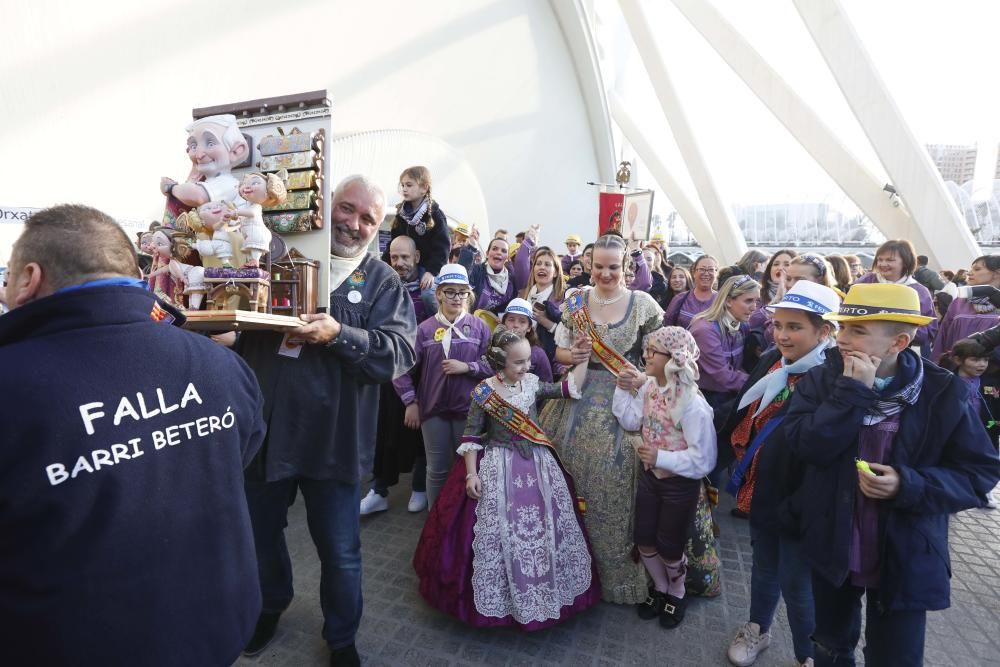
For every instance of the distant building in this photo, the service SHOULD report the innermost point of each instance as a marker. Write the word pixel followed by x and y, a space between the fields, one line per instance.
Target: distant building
pixel 956 163
pixel 800 223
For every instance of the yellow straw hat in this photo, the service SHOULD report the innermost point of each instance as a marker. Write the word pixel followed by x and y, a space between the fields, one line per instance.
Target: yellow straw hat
pixel 878 302
pixel 463 228
pixel 574 238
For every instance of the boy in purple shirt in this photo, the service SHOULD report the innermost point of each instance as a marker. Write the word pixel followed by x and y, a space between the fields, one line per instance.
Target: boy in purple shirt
pixel 884 533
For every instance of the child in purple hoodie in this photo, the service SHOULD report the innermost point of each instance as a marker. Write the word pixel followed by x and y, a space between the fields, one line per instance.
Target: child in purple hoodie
pixel 436 391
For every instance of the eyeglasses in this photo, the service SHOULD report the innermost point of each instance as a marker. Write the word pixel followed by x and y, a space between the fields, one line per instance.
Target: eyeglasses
pixel 452 294
pixel 709 270
pixel 651 351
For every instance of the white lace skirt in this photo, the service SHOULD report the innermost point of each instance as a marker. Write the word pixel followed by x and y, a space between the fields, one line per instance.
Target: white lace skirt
pixel 530 557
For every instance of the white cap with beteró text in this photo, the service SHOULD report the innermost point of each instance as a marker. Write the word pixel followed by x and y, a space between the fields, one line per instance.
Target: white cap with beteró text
pixel 452 274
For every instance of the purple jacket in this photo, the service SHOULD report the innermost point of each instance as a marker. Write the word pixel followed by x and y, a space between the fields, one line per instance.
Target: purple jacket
pixel 683 307
pixel 961 321
pixel 721 361
pixel 540 365
pixel 413 288
pixel 925 335
pixel 440 395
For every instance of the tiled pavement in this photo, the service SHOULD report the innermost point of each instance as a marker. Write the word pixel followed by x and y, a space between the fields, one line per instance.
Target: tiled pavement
pixel 399 629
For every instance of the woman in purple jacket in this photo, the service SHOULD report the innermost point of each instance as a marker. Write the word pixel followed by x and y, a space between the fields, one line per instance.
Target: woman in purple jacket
pixel 720 333
pixel 684 307
pixel 968 316
pixel 895 262
pixel 436 390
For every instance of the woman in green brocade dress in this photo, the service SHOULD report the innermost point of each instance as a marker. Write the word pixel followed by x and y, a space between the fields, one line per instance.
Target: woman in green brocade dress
pixel 599 454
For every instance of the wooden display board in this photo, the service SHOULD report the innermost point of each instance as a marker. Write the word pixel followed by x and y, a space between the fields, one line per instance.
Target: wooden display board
pixel 239 320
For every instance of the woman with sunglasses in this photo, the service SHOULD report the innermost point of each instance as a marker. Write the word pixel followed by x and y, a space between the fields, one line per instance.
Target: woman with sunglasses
pixel 449 350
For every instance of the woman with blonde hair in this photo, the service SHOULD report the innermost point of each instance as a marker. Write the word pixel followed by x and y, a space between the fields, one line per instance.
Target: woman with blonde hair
pixel 720 333
pixel 540 271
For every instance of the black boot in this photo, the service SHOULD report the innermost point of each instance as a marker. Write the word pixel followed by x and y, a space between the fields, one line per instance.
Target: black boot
pixel 345 656
pixel 653 605
pixel 267 625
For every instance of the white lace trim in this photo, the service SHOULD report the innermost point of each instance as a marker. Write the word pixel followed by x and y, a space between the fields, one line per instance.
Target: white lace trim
pixel 574 391
pixel 468 447
pixel 526 397
pixel 522 540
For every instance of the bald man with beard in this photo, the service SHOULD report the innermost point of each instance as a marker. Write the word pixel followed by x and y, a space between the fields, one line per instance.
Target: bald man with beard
pixel 399 449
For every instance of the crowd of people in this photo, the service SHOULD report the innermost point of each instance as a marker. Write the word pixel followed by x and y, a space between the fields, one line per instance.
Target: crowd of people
pixel 567 418
pixel 641 387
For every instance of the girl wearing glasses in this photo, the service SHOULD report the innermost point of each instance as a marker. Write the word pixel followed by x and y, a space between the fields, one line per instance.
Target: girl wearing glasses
pixel 678 449
pixel 436 391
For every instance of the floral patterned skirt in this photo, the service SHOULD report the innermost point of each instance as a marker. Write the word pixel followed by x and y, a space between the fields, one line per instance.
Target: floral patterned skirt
pixel 703 565
pixel 601 456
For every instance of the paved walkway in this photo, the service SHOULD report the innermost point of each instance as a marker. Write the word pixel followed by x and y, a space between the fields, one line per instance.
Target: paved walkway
pixel 399 629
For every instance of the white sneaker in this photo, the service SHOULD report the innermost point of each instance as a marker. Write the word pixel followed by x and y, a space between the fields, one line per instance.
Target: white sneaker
pixel 747 645
pixel 991 500
pixel 807 663
pixel 418 501
pixel 373 502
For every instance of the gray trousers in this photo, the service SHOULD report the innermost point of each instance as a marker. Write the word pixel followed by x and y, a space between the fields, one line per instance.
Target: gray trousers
pixel 441 438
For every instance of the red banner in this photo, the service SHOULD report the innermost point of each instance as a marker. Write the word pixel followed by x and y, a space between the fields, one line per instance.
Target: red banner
pixel 610 212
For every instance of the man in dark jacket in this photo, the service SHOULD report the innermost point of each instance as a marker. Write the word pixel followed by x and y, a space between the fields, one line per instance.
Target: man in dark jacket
pixel 882 534
pixel 929 279
pixel 126 539
pixel 321 402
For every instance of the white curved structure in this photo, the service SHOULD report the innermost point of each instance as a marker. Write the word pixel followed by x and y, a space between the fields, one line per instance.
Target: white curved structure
pixel 516 91
pixel 95 102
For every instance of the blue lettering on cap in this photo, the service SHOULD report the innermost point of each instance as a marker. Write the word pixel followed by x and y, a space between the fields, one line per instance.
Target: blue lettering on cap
pixel 452 276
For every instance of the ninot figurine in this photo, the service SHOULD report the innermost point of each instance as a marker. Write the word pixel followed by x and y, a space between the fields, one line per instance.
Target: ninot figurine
pixel 259 190
pixel 214 218
pixel 169 278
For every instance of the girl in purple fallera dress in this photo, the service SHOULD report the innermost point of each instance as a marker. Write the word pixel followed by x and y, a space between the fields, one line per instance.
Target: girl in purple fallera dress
pixel 505 544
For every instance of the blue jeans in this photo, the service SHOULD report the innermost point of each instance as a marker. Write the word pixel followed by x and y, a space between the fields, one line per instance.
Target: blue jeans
pixel 335 527
pixel 780 572
pixel 892 638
